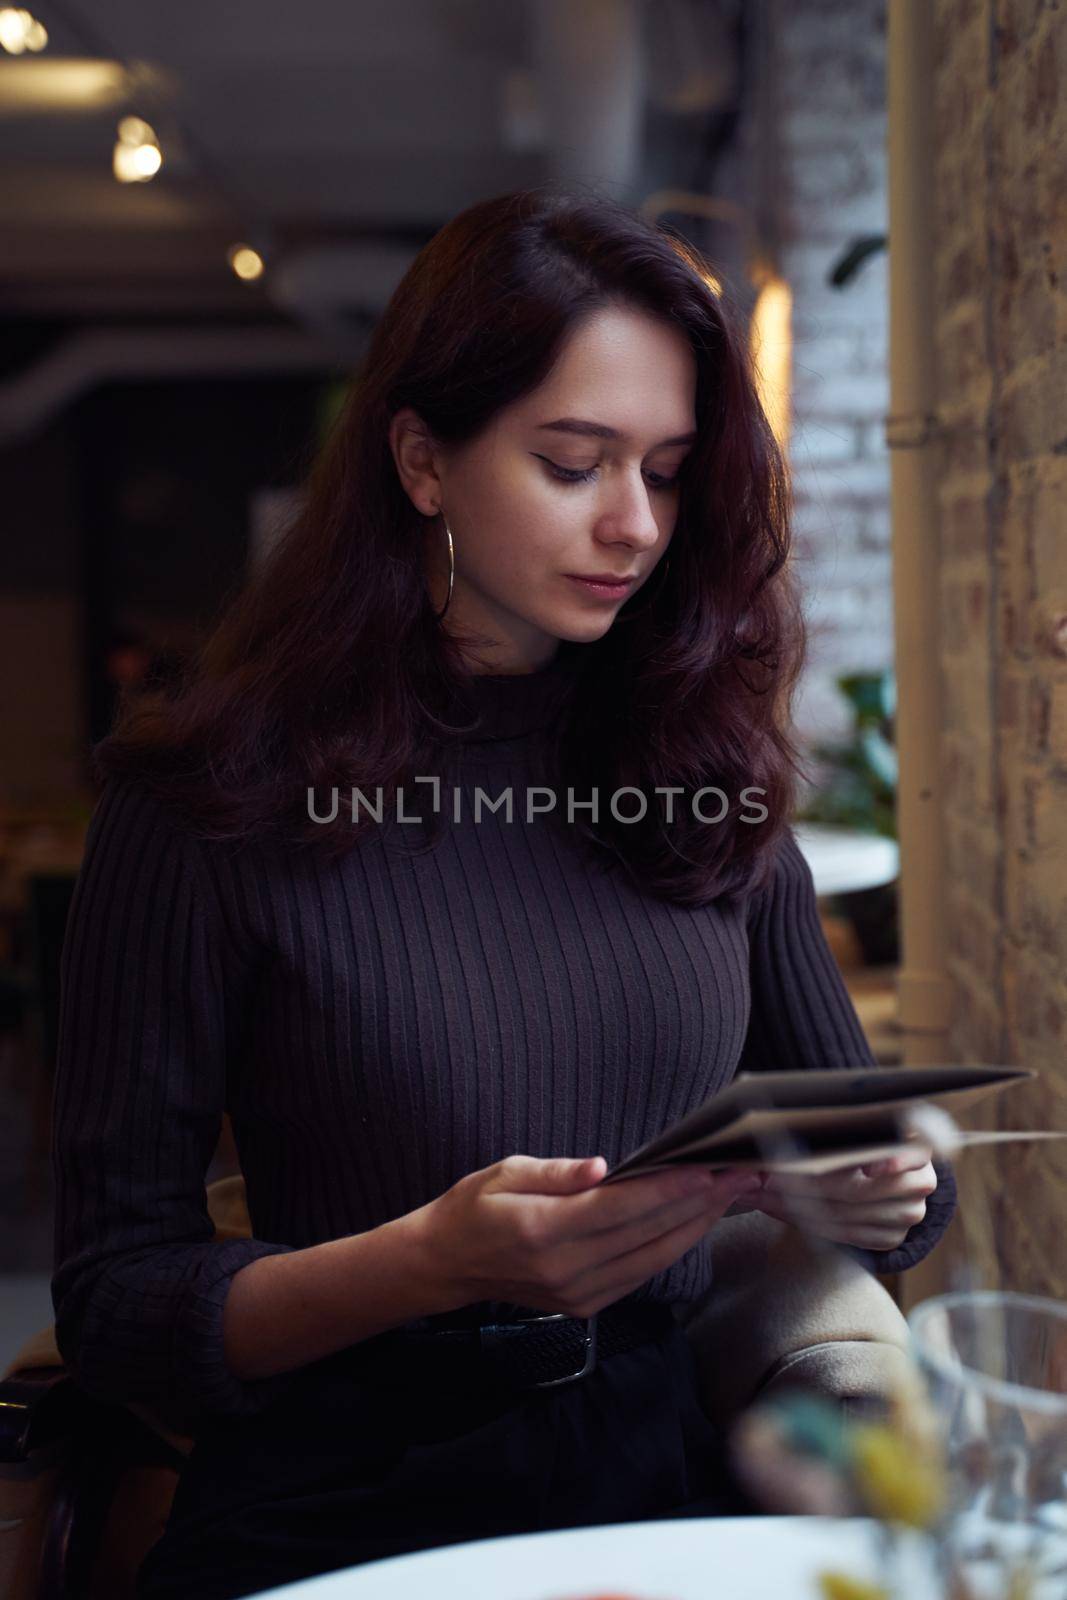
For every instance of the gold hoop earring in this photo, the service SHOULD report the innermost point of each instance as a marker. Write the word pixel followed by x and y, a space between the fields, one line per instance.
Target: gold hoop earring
pixel 625 616
pixel 451 566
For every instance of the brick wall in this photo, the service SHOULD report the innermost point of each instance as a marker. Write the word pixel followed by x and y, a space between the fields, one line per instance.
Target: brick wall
pixel 830 130
pixel 1001 343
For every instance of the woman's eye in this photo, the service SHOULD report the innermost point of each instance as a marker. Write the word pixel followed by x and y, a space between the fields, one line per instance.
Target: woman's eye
pixel 577 475
pixel 570 474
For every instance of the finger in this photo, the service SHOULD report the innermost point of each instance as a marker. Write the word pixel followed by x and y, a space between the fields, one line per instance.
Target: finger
pixel 876 1192
pixel 622 1272
pixel 711 1200
pixel 853 1183
pixel 901 1215
pixel 914 1183
pixel 601 1210
pixel 839 1226
pixel 523 1174
pixel 878 1231
pixel 905 1161
pixel 902 1160
pixel 586 1245
pixel 587 1253
pixel 842 1184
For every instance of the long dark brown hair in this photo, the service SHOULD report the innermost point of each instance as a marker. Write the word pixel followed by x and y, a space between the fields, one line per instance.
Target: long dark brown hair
pixel 330 669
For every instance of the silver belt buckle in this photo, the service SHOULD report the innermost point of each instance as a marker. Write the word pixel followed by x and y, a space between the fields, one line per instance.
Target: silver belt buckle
pixel 590 1348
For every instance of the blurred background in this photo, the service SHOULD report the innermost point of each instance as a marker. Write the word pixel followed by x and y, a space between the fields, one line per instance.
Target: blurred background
pixel 203 209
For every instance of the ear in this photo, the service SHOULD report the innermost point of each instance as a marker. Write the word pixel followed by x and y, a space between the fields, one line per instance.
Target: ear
pixel 416 458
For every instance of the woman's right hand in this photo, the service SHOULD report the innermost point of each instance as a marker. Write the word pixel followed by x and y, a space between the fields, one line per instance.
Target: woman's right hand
pixel 548 1234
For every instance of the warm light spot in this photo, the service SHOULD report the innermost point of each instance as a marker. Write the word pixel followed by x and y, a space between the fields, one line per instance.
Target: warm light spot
pixel 771 344
pixel 136 163
pixel 134 130
pixel 247 263
pixel 32 85
pixel 20 31
pixel 137 156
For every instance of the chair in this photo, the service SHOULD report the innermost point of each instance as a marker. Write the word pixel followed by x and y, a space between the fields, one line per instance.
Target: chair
pixel 86 1488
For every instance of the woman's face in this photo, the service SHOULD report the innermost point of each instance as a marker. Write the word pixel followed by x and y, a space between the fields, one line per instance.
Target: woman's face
pixel 534 506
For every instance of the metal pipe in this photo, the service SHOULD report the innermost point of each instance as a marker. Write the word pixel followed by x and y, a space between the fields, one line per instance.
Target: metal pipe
pixel 923 986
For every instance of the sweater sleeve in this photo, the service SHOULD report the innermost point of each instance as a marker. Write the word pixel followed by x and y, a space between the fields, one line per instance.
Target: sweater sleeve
pixel 802 1017
pixel 154 987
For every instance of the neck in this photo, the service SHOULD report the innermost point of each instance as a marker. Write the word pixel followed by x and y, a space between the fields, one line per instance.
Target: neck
pixel 509 667
pixel 516 704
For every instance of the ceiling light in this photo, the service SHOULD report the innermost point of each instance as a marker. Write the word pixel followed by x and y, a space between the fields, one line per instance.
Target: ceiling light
pixel 137 156
pixel 38 85
pixel 19 31
pixel 134 130
pixel 247 263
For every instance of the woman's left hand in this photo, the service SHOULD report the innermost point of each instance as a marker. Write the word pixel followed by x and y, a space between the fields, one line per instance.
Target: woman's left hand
pixel 871 1207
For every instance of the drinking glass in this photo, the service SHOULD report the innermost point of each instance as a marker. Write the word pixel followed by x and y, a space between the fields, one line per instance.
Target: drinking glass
pixel 994 1365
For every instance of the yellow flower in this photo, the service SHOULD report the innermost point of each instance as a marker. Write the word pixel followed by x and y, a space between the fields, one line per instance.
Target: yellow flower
pixel 899 1484
pixel 1021 1584
pixel 839 1586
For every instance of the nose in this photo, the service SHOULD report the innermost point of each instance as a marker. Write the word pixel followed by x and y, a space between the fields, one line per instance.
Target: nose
pixel 631 518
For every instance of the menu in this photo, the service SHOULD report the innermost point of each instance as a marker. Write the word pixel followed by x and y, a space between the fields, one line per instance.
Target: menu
pixel 816 1121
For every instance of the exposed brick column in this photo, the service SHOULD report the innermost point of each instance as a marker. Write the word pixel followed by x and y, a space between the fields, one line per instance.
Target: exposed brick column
pixel 1001 332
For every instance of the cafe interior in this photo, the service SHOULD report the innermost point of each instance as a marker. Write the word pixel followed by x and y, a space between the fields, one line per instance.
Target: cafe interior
pixel 203 211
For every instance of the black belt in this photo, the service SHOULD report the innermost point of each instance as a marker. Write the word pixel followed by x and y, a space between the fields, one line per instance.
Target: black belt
pixel 521 1348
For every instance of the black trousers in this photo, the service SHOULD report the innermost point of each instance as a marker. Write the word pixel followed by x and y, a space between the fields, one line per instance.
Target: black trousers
pixel 344 1469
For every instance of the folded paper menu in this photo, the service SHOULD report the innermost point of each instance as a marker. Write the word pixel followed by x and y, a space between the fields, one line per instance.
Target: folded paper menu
pixel 813 1121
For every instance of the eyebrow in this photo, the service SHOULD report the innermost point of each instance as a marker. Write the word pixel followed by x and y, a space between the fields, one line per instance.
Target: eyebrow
pixel 600 430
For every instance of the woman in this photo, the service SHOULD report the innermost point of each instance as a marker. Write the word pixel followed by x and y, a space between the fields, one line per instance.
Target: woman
pixel 434 1036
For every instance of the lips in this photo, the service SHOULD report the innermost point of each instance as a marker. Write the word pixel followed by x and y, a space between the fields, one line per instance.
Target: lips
pixel 609 592
pixel 605 577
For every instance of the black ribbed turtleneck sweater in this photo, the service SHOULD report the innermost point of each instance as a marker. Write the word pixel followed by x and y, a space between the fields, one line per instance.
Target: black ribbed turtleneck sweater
pixel 378 1026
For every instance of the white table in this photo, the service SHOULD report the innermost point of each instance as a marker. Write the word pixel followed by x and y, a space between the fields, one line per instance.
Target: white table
pixel 843 861
pixel 691 1558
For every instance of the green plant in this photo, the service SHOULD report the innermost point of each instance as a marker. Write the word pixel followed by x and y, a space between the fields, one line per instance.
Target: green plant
pixel 858 784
